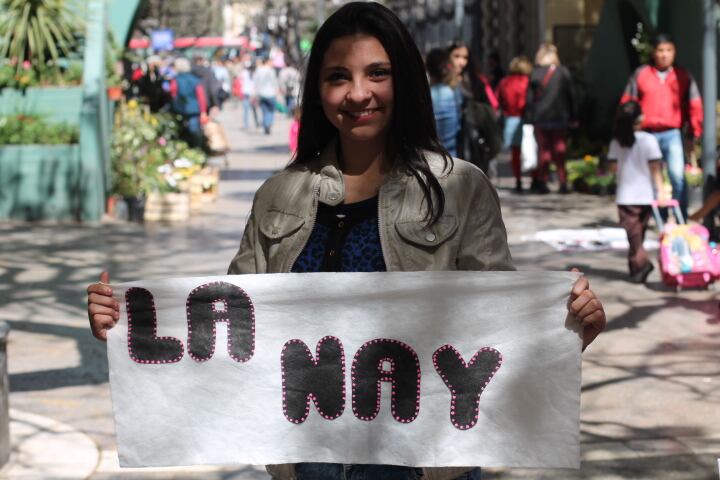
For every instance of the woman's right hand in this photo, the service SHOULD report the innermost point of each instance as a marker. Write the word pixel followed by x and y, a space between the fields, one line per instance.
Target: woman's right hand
pixel 103 309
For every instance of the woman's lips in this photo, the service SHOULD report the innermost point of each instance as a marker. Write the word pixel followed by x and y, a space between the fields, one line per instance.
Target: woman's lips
pixel 362 115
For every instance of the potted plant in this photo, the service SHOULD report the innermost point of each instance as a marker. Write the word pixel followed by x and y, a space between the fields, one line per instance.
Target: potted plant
pixel 114 87
pixel 151 166
pixel 585 176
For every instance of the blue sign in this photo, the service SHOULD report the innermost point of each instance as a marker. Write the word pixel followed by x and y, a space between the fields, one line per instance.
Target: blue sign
pixel 162 40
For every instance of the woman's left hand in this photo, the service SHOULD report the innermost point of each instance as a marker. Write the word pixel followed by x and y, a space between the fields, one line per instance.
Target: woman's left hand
pixel 587 309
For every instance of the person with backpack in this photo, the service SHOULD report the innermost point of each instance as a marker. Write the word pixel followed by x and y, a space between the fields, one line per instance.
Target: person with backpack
pixel 635 157
pixel 188 100
pixel 479 139
pixel 551 107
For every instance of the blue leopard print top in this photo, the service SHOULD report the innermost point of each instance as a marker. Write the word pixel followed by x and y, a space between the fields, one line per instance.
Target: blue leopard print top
pixel 345 239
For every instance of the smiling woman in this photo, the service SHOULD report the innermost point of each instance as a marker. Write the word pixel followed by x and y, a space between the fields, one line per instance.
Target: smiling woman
pixel 370 189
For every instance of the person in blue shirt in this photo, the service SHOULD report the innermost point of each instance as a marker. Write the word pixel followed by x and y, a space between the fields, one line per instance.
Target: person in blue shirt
pixel 445 101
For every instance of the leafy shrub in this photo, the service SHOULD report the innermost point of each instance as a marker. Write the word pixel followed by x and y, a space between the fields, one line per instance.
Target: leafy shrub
pixel 34 130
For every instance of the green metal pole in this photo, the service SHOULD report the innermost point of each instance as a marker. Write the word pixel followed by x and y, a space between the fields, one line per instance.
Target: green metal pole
pixel 93 152
pixel 709 140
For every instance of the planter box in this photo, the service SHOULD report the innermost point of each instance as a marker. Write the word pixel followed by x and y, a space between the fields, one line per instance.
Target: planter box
pixel 203 187
pixel 56 104
pixel 40 182
pixel 167 207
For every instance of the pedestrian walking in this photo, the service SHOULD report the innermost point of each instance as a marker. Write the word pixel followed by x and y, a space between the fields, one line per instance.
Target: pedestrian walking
pixel 512 95
pixel 445 100
pixel 189 101
pixel 247 95
pixel 635 157
pixel 209 82
pixel 289 82
pixel 151 85
pixel 224 80
pixel 552 108
pixel 479 139
pixel 266 89
pixel 670 100
pixel 367 110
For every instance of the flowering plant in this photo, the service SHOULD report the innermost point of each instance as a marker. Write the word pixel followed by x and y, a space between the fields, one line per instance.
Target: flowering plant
pixel 147 154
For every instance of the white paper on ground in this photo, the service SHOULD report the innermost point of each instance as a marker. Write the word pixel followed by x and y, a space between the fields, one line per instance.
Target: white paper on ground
pixel 586 239
pixel 224 412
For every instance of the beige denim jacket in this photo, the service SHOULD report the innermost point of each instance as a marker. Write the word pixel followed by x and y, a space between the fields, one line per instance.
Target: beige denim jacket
pixel 470 234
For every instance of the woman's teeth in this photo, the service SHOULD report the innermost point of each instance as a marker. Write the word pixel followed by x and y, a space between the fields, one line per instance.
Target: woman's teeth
pixel 364 113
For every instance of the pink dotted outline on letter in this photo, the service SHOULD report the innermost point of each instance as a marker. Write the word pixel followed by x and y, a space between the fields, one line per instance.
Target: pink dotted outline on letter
pixel 227 320
pixel 129 332
pixel 315 363
pixel 385 377
pixel 453 399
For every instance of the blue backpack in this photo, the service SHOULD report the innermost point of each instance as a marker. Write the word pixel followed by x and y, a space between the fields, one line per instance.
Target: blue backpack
pixel 186 102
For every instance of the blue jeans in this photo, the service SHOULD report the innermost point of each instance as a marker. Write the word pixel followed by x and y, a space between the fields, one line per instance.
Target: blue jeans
pixel 337 471
pixel 247 108
pixel 267 105
pixel 671 146
pixel 290 103
pixel 512 132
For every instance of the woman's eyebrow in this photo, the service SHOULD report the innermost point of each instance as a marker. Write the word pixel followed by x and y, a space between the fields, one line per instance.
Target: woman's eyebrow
pixel 369 66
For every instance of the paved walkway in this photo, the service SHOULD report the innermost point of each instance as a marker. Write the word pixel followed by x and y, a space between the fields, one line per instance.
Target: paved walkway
pixel 651 383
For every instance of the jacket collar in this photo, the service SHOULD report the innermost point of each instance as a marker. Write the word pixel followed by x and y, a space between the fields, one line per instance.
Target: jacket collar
pixel 332 185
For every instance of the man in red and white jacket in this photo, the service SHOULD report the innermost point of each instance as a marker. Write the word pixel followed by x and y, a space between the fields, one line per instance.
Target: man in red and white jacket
pixel 670 99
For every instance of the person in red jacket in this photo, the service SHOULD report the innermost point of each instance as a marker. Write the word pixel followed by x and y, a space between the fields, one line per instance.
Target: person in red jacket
pixel 511 93
pixel 670 99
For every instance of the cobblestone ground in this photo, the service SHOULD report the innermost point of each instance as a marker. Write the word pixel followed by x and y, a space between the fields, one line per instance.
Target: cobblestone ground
pixel 650 383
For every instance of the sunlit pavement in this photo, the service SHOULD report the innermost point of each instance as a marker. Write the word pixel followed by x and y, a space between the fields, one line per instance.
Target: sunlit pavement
pixel 651 383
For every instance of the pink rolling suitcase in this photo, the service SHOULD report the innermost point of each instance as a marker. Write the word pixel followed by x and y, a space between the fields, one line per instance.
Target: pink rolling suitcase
pixel 687 259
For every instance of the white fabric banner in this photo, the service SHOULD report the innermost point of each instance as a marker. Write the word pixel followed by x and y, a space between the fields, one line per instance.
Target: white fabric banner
pixel 421 369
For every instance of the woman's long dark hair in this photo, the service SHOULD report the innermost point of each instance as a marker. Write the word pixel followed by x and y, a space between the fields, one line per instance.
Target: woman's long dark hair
pixel 471 74
pixel 412 125
pixel 625 119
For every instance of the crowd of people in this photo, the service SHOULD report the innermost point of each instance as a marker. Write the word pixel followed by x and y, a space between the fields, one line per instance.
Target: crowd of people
pixel 477 115
pixel 197 88
pixel 659 120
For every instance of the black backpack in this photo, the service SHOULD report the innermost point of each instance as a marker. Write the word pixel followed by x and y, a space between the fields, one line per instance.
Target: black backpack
pixel 481 137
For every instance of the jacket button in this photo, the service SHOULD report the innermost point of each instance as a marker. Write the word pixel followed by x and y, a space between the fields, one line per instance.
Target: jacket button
pixel 333 196
pixel 430 237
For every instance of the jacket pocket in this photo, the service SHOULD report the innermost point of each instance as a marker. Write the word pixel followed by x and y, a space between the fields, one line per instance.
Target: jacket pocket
pixel 276 225
pixel 418 233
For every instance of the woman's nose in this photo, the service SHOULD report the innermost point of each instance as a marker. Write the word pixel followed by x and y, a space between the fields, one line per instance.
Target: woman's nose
pixel 359 92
